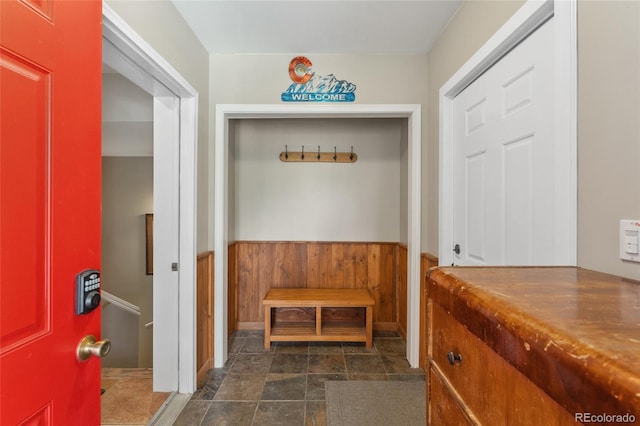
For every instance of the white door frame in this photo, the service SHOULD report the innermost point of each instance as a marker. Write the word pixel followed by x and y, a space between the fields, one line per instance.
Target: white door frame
pixel 225 112
pixel 175 147
pixel 525 21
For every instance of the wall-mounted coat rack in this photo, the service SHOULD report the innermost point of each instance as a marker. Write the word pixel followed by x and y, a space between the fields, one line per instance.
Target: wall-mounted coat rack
pixel 316 156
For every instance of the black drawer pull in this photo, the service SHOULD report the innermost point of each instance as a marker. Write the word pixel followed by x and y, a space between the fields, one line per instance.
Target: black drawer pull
pixel 453 358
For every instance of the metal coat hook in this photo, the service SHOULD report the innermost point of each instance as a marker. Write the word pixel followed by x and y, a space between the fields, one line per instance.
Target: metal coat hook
pixel 319 157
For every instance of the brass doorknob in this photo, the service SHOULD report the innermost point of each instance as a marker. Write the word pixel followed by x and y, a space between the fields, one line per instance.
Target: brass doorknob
pixel 89 346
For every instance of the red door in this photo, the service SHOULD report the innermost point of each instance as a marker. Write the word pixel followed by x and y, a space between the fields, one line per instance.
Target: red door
pixel 50 171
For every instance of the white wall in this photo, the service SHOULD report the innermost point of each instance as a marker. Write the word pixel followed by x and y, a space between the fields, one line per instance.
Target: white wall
pixel 608 131
pixel 608 118
pixel 122 327
pixel 358 201
pixel 404 184
pixel 124 101
pixel 260 79
pixel 127 195
pixel 160 24
pixel 231 172
pixel 471 26
pixel 127 118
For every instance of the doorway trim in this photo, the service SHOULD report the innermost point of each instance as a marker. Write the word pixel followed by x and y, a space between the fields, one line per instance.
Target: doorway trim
pixel 175 110
pixel 226 112
pixel 524 22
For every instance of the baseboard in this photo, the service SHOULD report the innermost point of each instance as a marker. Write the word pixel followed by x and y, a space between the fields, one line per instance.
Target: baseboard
pixel 208 365
pixel 250 325
pixel 402 332
pixel 385 326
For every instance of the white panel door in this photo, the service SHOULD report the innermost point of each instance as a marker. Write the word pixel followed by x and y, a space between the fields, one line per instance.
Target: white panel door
pixel 504 160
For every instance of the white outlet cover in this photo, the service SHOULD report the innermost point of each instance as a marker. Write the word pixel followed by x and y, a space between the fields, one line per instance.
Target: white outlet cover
pixel 629 229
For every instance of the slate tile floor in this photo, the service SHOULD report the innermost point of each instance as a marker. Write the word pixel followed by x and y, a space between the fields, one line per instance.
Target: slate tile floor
pixel 285 385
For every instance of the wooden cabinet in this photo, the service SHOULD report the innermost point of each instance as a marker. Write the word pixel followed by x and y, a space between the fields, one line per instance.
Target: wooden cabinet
pixel 531 346
pixel 483 386
pixel 446 408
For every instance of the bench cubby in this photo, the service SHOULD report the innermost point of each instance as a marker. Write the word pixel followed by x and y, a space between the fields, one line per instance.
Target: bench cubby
pixel 318 315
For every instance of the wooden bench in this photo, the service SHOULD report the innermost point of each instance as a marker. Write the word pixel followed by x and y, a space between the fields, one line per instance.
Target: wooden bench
pixel 320 330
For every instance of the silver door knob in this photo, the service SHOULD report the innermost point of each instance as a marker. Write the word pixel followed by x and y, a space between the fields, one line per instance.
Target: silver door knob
pixel 453 358
pixel 88 346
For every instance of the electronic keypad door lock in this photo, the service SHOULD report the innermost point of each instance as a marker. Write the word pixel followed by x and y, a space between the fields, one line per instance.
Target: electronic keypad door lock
pixel 87 291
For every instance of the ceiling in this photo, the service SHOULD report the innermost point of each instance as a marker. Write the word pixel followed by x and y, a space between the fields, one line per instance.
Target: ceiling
pixel 284 27
pixel 317 26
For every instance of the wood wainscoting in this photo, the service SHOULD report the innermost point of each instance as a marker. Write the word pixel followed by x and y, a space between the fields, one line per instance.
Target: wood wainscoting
pixel 427 261
pixel 256 266
pixel 204 278
pixel 401 290
pixel 232 289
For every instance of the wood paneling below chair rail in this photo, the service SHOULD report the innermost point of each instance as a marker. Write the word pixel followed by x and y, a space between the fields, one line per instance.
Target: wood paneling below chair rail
pixel 260 265
pixel 204 320
pixel 232 290
pixel 401 291
pixel 427 261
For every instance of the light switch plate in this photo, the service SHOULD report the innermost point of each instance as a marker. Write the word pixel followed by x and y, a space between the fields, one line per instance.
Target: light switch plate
pixel 630 240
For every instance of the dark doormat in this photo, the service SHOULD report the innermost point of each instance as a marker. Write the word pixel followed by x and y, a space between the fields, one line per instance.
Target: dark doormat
pixel 384 403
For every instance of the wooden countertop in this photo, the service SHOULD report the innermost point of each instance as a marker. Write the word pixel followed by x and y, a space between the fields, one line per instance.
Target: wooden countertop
pixel 575 333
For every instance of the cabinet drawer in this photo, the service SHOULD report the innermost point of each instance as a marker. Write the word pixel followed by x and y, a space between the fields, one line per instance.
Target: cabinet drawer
pixel 444 408
pixel 493 390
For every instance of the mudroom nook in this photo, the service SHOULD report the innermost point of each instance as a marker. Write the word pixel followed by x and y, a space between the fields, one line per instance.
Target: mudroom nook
pixel 318 224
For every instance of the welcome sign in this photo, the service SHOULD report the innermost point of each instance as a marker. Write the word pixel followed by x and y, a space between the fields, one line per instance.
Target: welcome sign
pixel 309 86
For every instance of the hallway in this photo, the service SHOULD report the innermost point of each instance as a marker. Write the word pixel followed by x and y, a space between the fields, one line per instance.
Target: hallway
pixel 285 385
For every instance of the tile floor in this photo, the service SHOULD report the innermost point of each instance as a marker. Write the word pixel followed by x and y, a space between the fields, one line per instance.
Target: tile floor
pixel 285 385
pixel 129 398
